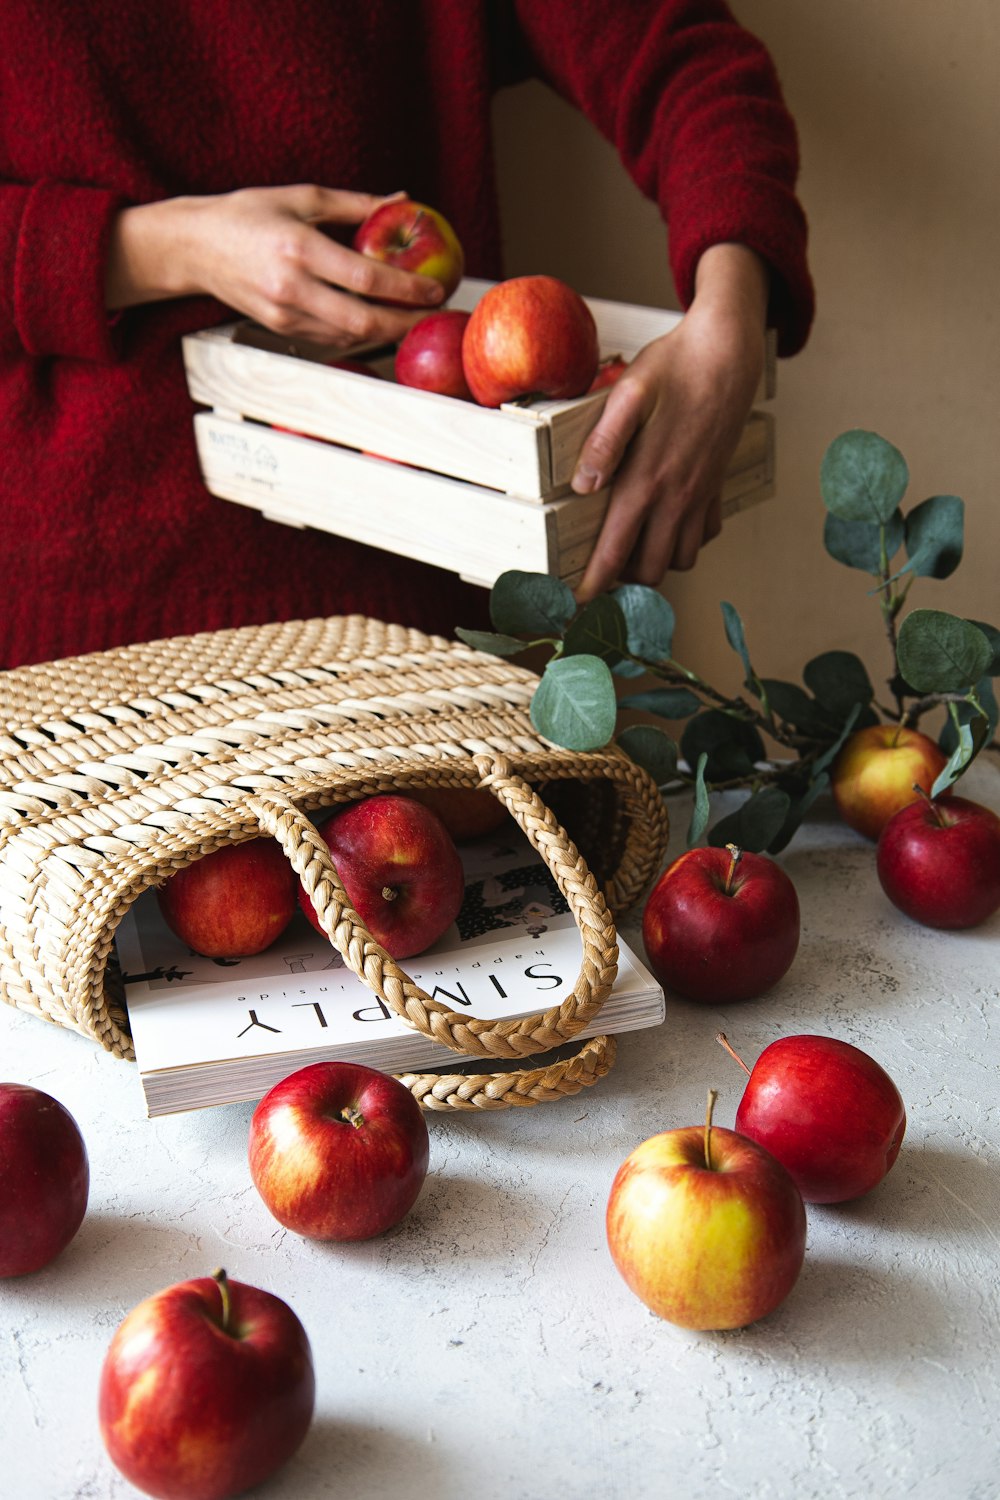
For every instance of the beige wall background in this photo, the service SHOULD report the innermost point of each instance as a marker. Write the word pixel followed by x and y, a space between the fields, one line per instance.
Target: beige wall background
pixel 896 105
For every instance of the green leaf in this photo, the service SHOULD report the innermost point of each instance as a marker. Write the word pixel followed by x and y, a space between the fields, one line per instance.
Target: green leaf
pixel 574 703
pixel 934 535
pixel 858 544
pixel 968 713
pixel 649 620
pixel 736 637
pixel 731 746
pixel 669 703
pixel 701 808
pixel 486 640
pixel 939 653
pixel 531 604
pixel 830 753
pixel 969 740
pixel 598 630
pixel 755 823
pixel 798 807
pixel 992 634
pixel 838 679
pixel 863 477
pixel 651 749
pixel 796 707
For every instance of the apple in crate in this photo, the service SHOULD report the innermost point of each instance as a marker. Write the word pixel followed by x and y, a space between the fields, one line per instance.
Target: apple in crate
pixel 829 1112
pixel 338 1151
pixel 233 902
pixel 529 336
pixel 207 1388
pixel 706 1227
pixel 400 869
pixel 413 237
pixel 44 1178
pixel 721 925
pixel 939 861
pixel 430 355
pixel 875 772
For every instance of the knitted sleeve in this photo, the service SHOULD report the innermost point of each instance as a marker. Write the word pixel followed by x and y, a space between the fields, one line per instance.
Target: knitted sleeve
pixel 53 251
pixel 692 103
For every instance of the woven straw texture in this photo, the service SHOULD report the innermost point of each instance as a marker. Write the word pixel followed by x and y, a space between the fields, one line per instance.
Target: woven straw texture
pixel 119 768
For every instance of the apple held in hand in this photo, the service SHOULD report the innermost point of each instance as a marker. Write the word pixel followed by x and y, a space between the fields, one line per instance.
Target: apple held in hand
pixel 233 902
pixel 207 1388
pixel 44 1178
pixel 830 1114
pixel 400 869
pixel 414 238
pixel 338 1151
pixel 706 1227
pixel 875 772
pixel 430 355
pixel 721 925
pixel 532 335
pixel 939 861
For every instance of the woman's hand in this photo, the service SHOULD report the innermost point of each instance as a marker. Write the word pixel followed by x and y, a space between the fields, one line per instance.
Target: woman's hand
pixel 262 252
pixel 671 424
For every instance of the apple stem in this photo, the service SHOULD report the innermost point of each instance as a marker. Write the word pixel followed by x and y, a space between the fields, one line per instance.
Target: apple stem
pixel 389 893
pixel 931 803
pixel 221 1280
pixel 735 855
pixel 723 1041
pixel 352 1115
pixel 712 1096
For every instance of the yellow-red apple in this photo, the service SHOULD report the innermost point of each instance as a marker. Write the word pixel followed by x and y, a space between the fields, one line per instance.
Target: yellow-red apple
pixel 876 770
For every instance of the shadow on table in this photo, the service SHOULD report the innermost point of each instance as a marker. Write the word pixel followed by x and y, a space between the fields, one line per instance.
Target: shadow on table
pixel 356 1458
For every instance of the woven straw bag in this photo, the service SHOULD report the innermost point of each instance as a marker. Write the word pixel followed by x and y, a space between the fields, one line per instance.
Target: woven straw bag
pixel 119 768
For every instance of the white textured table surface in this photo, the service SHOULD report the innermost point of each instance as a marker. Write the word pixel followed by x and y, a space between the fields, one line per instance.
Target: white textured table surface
pixel 488 1348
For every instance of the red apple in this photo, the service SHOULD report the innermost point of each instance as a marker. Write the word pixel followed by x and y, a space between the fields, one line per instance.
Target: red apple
pixel 939 861
pixel 875 772
pixel 830 1114
pixel 706 1227
pixel 430 355
pixel 532 335
pixel 608 372
pixel 233 902
pixel 207 1388
pixel 721 925
pixel 467 812
pixel 400 868
pixel 44 1178
pixel 338 1151
pixel 414 238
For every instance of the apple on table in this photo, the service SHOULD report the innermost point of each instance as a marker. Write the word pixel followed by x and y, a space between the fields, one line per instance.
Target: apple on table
pixel 938 861
pixel 827 1110
pixel 721 925
pixel 876 771
pixel 231 903
pixel 338 1151
pixel 400 869
pixel 207 1388
pixel 44 1178
pixel 706 1227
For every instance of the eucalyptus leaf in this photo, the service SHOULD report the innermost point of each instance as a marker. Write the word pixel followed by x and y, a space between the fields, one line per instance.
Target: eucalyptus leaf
pixel 992 634
pixel 531 604
pixel 701 807
pixel 829 754
pixel 968 713
pixel 969 741
pixel 863 477
pixel 838 679
pixel 858 544
pixel 795 707
pixel 731 746
pixel 598 630
pixel 669 703
pixel 574 704
pixel 736 636
pixel 934 536
pixel 649 619
pixel 652 749
pixel 798 807
pixel 939 653
pixel 486 640
pixel 755 823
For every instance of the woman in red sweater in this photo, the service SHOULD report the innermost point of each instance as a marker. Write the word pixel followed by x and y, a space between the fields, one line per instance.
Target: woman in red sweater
pixel 159 173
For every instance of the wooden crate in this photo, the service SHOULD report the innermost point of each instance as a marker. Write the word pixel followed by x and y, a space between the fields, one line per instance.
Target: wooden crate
pixel 471 489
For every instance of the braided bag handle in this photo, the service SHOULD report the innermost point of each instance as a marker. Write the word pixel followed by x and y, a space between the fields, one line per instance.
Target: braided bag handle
pixel 309 857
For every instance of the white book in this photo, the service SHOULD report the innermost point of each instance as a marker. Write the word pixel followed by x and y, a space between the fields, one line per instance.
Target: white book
pixel 219 1032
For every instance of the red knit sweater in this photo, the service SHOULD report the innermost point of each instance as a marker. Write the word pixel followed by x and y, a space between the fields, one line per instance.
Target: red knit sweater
pixel 107 534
